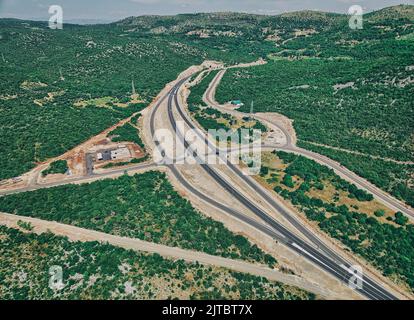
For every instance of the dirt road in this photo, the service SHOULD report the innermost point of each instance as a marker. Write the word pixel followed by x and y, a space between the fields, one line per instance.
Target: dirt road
pixel 80 234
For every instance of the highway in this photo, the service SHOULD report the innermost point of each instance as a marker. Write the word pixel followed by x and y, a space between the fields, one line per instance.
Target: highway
pixel 318 253
pixel 360 182
pixel 370 289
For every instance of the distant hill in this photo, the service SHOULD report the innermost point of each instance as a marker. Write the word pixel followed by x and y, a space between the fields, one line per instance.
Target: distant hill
pixel 243 21
pixel 88 21
pixel 312 15
pixel 233 18
pixel 395 12
pixel 199 19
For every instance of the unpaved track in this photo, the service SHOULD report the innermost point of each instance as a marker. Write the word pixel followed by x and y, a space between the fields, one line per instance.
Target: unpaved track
pixel 110 174
pixel 80 234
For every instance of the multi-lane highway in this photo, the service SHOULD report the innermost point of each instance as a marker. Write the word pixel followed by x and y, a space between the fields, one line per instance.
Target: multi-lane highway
pixel 307 244
pixel 335 266
pixel 289 146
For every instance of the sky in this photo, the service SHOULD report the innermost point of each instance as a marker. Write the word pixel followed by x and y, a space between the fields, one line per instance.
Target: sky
pixel 111 10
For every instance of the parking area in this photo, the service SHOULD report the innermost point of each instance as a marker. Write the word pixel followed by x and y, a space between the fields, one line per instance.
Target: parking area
pixel 118 153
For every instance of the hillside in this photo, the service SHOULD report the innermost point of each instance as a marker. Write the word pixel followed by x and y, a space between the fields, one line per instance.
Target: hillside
pixel 46 74
pixel 60 87
pixel 401 12
pixel 347 89
pixel 306 79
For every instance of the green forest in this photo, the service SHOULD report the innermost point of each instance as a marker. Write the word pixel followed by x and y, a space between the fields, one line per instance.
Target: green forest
pixel 389 247
pixel 59 166
pixel 392 177
pixel 144 206
pixel 346 89
pixel 94 271
pixel 197 91
pixel 53 82
pixel 127 133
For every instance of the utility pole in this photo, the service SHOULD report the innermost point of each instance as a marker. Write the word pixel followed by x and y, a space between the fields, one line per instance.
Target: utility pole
pixel 62 78
pixel 2 56
pixel 133 88
pixel 251 107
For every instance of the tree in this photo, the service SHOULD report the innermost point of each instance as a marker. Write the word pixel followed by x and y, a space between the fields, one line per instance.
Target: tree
pixel 400 218
pixel 379 213
pixel 288 181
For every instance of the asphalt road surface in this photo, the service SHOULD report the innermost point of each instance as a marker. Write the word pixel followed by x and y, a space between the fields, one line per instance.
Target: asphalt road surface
pixel 369 288
pixel 387 199
pixel 81 179
pixel 319 254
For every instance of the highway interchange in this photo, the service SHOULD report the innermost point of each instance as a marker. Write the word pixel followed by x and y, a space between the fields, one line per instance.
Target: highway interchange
pixel 320 255
pixel 307 244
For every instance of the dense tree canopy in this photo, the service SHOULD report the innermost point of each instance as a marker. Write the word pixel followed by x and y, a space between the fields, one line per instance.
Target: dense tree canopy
pixel 144 206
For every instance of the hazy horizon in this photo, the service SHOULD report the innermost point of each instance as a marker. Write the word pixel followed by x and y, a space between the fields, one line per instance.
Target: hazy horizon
pixel 107 10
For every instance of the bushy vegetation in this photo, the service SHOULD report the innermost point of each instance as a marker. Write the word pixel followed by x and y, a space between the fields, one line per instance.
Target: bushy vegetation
pixel 144 206
pixel 211 122
pixel 100 271
pixel 392 177
pixel 311 171
pixel 60 87
pixel 127 133
pixel 373 117
pixel 25 225
pixel 390 247
pixel 342 88
pixel 196 95
pixel 59 166
pixel 213 119
pixel 121 164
